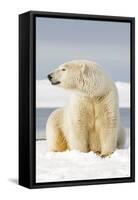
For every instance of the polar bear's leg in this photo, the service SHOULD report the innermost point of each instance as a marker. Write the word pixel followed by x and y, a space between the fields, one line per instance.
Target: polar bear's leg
pixel 55 138
pixel 107 123
pixel 78 139
pixel 108 141
pixel 94 142
pixel 108 134
pixel 56 141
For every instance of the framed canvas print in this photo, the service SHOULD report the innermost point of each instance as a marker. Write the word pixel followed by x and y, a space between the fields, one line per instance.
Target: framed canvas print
pixel 76 99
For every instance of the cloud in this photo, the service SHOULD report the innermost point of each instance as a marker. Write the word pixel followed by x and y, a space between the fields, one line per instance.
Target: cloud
pixel 124 93
pixel 52 96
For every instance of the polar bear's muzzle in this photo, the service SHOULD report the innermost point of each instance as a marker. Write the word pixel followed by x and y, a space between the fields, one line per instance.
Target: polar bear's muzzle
pixel 53 82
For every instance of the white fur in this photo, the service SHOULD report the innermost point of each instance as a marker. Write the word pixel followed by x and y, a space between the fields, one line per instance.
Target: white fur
pixel 90 122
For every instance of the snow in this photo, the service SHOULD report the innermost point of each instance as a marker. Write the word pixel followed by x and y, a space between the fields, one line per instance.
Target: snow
pixel 52 96
pixel 75 165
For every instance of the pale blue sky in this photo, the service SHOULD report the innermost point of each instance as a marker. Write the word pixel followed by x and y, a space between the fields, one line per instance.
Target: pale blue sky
pixel 62 40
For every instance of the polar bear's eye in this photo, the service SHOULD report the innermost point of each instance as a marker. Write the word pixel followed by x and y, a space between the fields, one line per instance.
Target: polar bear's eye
pixel 63 69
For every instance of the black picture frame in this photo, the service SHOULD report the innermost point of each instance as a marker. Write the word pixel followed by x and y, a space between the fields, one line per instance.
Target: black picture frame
pixel 27 77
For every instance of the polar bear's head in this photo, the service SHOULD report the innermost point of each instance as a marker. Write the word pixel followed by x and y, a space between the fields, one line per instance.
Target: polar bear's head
pixel 83 76
pixel 67 75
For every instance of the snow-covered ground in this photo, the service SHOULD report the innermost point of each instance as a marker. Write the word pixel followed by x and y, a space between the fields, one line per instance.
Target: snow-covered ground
pixel 74 165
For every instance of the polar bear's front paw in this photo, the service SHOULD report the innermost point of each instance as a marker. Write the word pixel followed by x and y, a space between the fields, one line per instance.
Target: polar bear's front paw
pixel 104 155
pixel 98 153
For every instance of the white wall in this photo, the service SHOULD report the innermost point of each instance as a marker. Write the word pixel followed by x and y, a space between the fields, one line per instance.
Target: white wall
pixel 9 11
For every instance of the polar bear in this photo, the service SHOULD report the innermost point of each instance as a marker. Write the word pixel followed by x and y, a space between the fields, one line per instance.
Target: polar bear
pixel 91 121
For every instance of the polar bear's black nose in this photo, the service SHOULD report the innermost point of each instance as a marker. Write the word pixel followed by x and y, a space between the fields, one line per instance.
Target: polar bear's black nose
pixel 49 76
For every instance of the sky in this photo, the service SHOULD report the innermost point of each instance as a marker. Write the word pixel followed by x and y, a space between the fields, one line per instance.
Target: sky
pixel 62 40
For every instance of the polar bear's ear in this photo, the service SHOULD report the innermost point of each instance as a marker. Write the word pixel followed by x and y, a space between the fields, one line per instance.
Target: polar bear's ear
pixel 84 68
